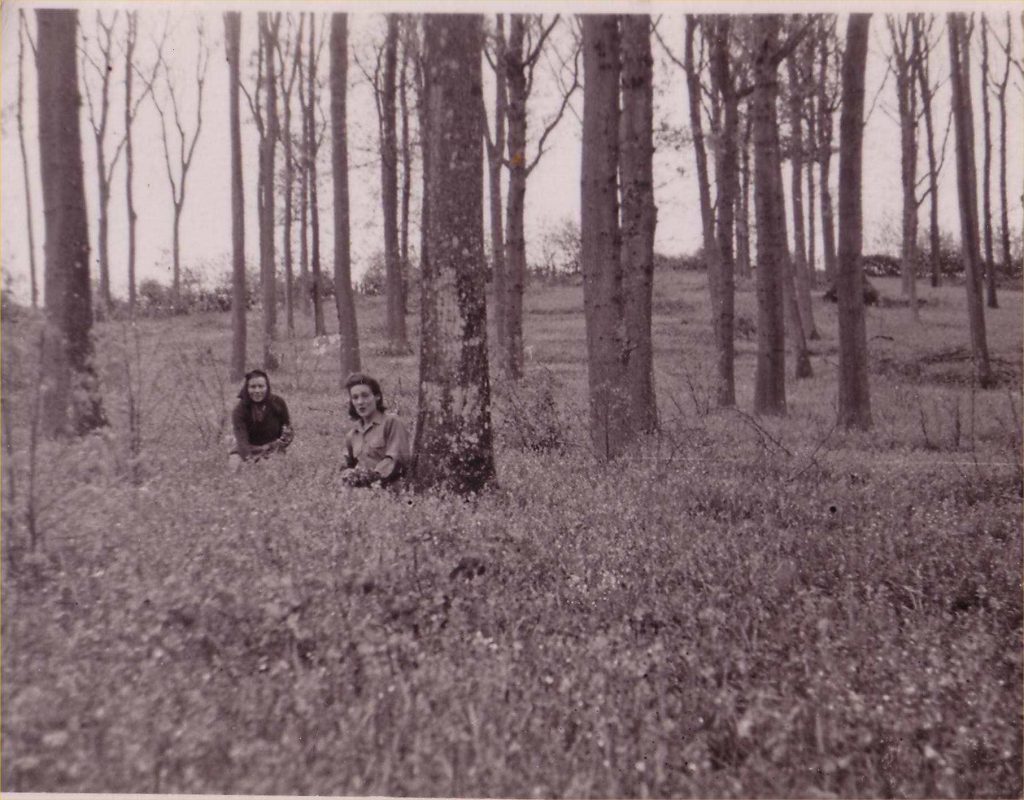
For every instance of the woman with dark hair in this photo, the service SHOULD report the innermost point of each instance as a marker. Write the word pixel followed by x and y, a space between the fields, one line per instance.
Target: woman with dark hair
pixel 377 446
pixel 260 421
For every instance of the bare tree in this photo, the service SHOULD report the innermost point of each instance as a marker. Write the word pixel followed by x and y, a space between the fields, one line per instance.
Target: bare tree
pixel 902 67
pixel 453 428
pixel 24 34
pixel 743 205
pixel 291 51
pixel 305 287
pixel 1004 220
pixel 232 45
pixel 70 379
pixel 639 215
pixel 527 38
pixel 854 391
pixel 312 141
pixel 183 146
pixel 963 118
pixel 828 102
pixel 495 160
pixel 610 421
pixel 344 301
pixel 406 148
pixel 986 171
pixel 923 46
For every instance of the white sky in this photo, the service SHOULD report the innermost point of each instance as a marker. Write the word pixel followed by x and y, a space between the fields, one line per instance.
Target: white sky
pixel 553 192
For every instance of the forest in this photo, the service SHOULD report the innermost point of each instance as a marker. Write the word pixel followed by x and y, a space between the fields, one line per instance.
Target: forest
pixel 708 332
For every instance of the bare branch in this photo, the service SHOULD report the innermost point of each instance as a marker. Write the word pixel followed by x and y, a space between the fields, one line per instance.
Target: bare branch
pixel 566 96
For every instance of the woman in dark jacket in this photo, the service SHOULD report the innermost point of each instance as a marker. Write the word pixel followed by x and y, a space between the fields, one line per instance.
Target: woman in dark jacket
pixel 260 421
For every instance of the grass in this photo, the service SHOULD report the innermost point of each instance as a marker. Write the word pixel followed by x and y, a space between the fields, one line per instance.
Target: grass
pixel 740 607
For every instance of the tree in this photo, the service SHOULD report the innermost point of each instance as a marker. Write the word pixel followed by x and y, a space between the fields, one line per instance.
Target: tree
pixel 406 147
pixel 521 56
pixel 966 173
pixel 495 160
pixel 639 215
pixel 22 35
pixel 453 428
pixel 854 391
pixel 292 50
pixel 986 171
pixel 828 102
pixel 902 67
pixel 232 46
pixel 923 45
pixel 269 27
pixel 611 424
pixel 305 288
pixel 343 299
pixel 70 380
pixel 313 139
pixel 184 147
pixel 1004 219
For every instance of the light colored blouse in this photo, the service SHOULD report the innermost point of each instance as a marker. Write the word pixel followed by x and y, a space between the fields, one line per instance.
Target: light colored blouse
pixel 381 444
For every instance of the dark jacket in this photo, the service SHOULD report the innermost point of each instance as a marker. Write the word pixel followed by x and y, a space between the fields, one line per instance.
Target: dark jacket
pixel 260 427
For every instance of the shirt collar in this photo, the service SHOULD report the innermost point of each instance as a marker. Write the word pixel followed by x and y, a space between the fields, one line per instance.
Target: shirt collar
pixel 376 419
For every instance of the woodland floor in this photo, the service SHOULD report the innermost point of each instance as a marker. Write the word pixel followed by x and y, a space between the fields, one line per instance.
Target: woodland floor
pixel 741 607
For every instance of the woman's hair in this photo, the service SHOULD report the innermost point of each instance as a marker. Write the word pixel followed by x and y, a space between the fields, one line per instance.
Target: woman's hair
pixel 362 379
pixel 243 393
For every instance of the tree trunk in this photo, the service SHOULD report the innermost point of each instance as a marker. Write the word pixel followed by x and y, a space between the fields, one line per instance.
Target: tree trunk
pixel 406 172
pixel 33 275
pixel 495 154
pixel 726 168
pixel 515 235
pixel 70 380
pixel 268 271
pixel 743 209
pixel 828 235
pixel 611 420
pixel 921 68
pixel 305 284
pixel 639 215
pixel 453 428
pixel 129 156
pixel 906 101
pixel 799 261
pixel 289 184
pixel 239 299
pixel 345 303
pixel 811 160
pixel 854 390
pixel 772 247
pixel 317 280
pixel 1004 216
pixel 396 332
pixel 986 172
pixel 963 122
pixel 707 215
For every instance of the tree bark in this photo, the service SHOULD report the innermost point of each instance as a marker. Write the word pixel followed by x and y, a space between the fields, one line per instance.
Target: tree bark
pixel 828 235
pixel 986 172
pixel 1004 216
pixel 611 423
pixel 239 299
pixel 131 37
pixel 495 155
pixel 70 381
pixel 726 169
pixel 799 260
pixel 639 215
pixel 453 432
pixel 396 331
pixel 344 300
pixel 769 210
pixel 305 284
pixel 515 235
pixel 854 389
pixel 268 150
pixel 807 74
pixel 963 122
pixel 920 36
pixel 406 192
pixel 312 149
pixel 743 206
pixel 33 275
pixel 287 86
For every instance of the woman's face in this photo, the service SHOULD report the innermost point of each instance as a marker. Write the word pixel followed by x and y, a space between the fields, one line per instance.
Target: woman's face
pixel 257 388
pixel 363 400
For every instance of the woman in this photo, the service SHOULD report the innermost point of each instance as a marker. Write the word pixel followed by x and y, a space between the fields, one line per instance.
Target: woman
pixel 377 446
pixel 260 421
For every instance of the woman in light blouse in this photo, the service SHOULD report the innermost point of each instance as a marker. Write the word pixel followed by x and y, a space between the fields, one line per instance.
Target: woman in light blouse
pixel 377 447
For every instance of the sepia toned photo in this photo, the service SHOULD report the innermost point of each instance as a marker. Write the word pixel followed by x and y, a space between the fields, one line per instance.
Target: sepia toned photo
pixel 512 399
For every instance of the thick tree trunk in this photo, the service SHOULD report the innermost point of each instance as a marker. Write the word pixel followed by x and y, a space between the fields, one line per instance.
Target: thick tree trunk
pixel 70 381
pixel 799 261
pixel 239 300
pixel 268 271
pixel 854 390
pixel 396 331
pixel 828 235
pixel 707 214
pixel 343 297
pixel 316 287
pixel 453 432
pixel 33 275
pixel 986 172
pixel 515 235
pixel 639 215
pixel 611 423
pixel 495 154
pixel 769 210
pixel 963 123
pixel 726 168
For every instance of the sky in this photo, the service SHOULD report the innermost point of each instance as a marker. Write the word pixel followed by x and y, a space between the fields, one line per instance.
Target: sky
pixel 553 190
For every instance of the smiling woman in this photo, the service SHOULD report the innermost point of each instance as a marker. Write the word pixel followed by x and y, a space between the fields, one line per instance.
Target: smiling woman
pixel 261 423
pixel 377 447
